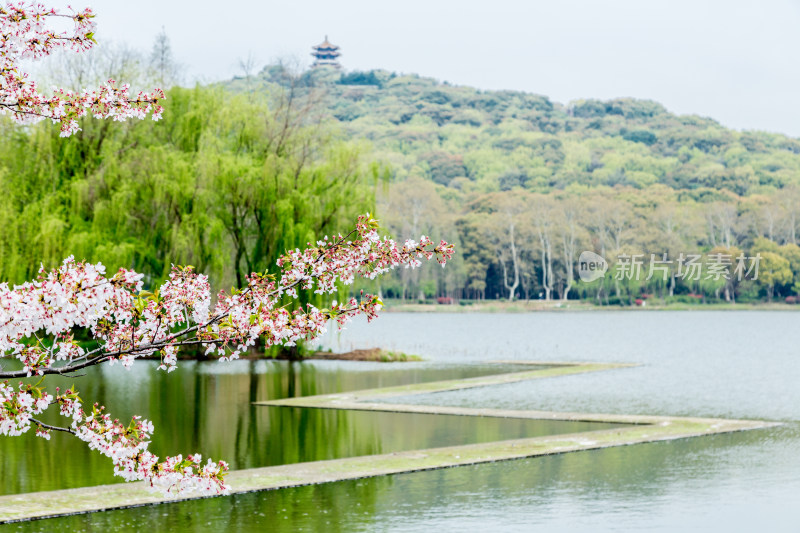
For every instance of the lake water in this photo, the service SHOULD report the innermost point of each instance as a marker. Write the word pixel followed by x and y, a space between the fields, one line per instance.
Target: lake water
pixel 207 407
pixel 729 364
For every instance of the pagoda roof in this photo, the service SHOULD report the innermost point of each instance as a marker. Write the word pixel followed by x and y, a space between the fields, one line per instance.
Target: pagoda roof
pixel 325 45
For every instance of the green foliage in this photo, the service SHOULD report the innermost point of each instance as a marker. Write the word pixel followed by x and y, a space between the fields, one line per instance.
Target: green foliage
pixel 449 132
pixel 773 270
pixel 223 182
pixel 397 357
pixel 640 136
pixel 238 173
pixel 360 78
pixel 637 179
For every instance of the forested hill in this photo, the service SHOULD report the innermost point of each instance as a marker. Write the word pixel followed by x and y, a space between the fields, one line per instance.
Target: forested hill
pixel 522 184
pixel 483 141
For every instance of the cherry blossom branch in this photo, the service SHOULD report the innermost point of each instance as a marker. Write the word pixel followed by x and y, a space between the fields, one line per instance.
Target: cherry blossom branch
pixel 168 341
pixel 24 35
pixel 129 323
pixel 49 427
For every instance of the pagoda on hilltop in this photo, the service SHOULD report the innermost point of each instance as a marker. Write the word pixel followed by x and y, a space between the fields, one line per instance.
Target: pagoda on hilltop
pixel 326 54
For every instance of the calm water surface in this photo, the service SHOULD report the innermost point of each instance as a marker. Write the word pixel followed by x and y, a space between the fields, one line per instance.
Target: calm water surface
pixel 207 407
pixel 731 364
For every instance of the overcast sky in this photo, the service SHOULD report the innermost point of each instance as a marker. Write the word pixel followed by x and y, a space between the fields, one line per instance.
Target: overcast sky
pixel 734 61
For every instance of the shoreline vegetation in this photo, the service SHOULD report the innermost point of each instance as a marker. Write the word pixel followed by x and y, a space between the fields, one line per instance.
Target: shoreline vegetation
pixel 529 306
pixel 374 355
pixel 377 355
pixel 522 185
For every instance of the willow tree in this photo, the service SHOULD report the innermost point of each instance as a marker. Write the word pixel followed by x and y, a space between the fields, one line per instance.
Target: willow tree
pixel 278 177
pixel 223 183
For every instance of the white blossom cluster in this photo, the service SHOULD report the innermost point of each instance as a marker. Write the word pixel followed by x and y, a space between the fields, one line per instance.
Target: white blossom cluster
pixel 24 34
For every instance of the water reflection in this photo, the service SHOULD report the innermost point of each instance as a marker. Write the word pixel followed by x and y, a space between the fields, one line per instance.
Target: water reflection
pixel 588 491
pixel 207 407
pixel 741 364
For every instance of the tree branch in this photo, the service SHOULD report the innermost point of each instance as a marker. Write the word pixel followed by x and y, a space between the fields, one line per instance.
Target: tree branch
pixel 56 428
pixel 155 346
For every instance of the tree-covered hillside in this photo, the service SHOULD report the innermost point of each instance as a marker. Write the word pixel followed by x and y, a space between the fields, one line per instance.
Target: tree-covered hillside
pixel 483 141
pixel 615 177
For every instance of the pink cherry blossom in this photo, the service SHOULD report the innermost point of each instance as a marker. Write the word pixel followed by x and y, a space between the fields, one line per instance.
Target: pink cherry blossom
pixel 37 320
pixel 24 34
